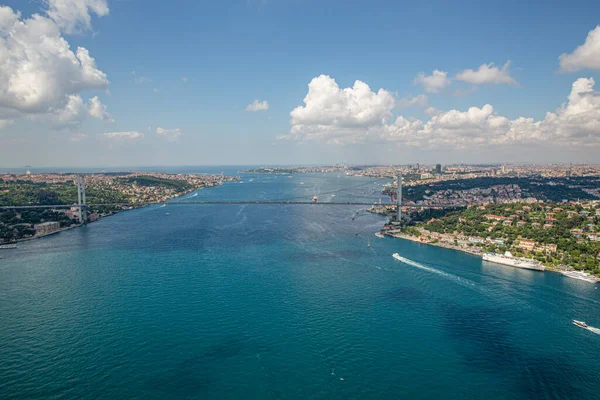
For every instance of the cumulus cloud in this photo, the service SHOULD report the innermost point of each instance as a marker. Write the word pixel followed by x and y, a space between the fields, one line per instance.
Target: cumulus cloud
pixel 98 110
pixel 335 114
pixel 585 56
pixel 39 72
pixel 328 117
pixel 257 105
pixel 169 134
pixel 432 111
pixel 420 101
pixel 122 136
pixel 75 15
pixel 487 73
pixel 432 83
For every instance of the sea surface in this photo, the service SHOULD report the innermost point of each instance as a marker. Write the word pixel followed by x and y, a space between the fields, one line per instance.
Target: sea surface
pixel 282 302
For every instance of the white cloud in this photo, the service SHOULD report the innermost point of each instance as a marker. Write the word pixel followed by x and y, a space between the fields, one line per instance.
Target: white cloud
pixel 420 101
pixel 487 73
pixel 72 114
pixel 335 115
pixel 432 83
pixel 74 15
pixel 185 79
pixel 39 73
pixel 121 136
pixel 98 110
pixel 78 137
pixel 432 111
pixel 155 90
pixel 257 105
pixel 585 56
pixel 170 134
pixel 5 122
pixel 328 118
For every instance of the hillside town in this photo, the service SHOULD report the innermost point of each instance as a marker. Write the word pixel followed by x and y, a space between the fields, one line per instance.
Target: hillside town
pixel 559 235
pixel 122 191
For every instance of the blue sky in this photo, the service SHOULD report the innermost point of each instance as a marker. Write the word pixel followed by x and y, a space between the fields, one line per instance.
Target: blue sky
pixel 192 68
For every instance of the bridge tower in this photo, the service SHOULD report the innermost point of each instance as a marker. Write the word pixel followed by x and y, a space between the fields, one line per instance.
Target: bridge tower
pixel 399 199
pixel 82 214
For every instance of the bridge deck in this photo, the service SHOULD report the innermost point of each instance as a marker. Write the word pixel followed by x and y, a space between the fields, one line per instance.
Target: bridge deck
pixel 336 203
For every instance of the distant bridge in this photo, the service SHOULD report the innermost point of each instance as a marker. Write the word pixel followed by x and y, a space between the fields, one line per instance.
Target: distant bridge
pixel 82 205
pixel 332 203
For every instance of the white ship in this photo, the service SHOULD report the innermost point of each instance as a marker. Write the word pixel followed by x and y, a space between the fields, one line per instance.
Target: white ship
pixel 379 235
pixel 580 275
pixel 8 246
pixel 518 262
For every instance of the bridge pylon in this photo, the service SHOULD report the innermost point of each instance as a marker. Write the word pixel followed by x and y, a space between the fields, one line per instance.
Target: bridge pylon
pixel 81 204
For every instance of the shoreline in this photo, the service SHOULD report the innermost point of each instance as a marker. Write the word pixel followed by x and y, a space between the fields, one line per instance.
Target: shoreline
pixel 78 225
pixel 474 253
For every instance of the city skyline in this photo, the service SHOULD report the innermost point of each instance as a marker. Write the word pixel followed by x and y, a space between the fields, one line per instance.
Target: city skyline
pixel 126 84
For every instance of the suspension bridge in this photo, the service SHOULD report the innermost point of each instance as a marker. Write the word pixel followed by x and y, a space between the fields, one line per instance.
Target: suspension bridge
pixel 82 206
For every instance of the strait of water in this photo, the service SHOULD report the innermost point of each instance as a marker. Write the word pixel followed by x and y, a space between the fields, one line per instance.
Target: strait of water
pixel 282 302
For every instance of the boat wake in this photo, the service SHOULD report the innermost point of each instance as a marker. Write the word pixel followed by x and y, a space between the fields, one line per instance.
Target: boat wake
pixel 457 279
pixel 592 329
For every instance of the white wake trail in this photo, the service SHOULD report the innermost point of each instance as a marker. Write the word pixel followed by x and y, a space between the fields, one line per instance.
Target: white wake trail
pixel 457 279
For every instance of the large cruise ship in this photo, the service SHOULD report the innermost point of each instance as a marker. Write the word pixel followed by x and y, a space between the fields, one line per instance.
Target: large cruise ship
pixel 580 275
pixel 518 262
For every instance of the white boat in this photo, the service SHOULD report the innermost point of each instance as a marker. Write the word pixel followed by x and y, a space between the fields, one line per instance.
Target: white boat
pixel 581 324
pixel 379 235
pixel 517 262
pixel 8 246
pixel 583 276
pixel 397 256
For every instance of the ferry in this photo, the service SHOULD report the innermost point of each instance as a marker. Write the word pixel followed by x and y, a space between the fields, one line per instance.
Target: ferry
pixel 8 246
pixel 580 324
pixel 518 262
pixel 379 235
pixel 583 276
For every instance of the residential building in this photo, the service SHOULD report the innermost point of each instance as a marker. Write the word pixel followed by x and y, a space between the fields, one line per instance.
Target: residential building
pixel 526 244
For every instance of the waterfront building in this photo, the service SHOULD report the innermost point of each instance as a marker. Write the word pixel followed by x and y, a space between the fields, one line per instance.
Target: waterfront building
pixel 526 244
pixel 46 228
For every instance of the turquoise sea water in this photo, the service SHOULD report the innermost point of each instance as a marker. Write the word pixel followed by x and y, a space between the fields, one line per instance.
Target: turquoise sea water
pixel 282 302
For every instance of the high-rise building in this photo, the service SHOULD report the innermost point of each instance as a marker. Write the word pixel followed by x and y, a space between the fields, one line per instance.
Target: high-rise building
pixel 438 168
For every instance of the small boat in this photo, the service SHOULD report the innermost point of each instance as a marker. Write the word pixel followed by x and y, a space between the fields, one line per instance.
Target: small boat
pixel 397 256
pixel 8 246
pixel 368 243
pixel 379 235
pixel 581 324
pixel 315 199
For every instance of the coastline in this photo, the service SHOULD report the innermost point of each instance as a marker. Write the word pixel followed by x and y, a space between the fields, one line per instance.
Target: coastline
pixel 398 235
pixel 78 225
